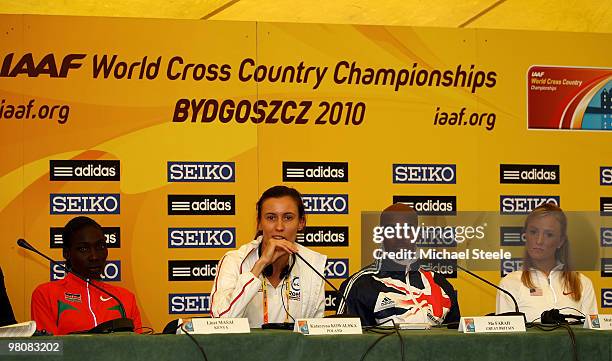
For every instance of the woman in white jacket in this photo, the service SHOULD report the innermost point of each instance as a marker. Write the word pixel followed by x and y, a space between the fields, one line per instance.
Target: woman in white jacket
pixel 263 280
pixel 547 280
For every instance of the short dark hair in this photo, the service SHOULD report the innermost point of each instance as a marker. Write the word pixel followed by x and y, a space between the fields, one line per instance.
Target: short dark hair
pixel 75 225
pixel 278 192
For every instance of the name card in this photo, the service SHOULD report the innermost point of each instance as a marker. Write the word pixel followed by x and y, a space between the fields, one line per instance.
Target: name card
pixel 328 326
pixel 598 322
pixel 203 326
pixel 492 324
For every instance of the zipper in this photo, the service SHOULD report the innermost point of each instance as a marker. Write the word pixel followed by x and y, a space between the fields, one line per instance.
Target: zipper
pixel 89 305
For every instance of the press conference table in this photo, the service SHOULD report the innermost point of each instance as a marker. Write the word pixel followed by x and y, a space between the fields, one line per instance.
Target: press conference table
pixel 436 344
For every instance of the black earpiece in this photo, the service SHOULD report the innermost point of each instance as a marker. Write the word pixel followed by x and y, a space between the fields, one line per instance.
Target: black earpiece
pixel 269 269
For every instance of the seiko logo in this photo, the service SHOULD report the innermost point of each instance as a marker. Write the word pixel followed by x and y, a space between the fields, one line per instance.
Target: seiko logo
pixel 511 236
pixel 315 172
pixel 446 267
pixel 84 170
pixel 196 270
pixel 326 203
pixel 188 303
pixel 524 204
pixel 606 267
pixel 187 204
pixel 510 265
pixel 332 301
pixel 425 173
pixel 111 234
pixel 84 203
pixel 201 237
pixel 430 205
pixel 605 176
pixel 529 174
pixel 324 237
pixel 13 66
pixel 606 236
pixel 606 297
pixel 112 271
pixel 337 268
pixel 201 172
pixel 605 206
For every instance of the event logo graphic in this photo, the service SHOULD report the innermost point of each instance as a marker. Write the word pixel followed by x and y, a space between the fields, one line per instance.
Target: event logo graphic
pixel 524 204
pixel 202 237
pixel 188 303
pixel 529 174
pixel 510 265
pixel 315 172
pixel 425 173
pixel 84 203
pixel 111 273
pixel 606 297
pixel 325 203
pixel 332 301
pixel 606 267
pixel 84 170
pixel 445 267
pixel 606 236
pixel 337 268
pixel 605 176
pixel 511 236
pixel 318 236
pixel 605 206
pixel 111 234
pixel 430 205
pixel 192 204
pixel 13 66
pixel 201 172
pixel 192 270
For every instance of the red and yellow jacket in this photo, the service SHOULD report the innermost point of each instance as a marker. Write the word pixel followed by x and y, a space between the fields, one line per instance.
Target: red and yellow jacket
pixel 72 305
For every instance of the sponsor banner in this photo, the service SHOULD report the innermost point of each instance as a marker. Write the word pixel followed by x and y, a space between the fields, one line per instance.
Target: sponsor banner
pixel 325 203
pixel 605 234
pixel 111 234
pixel 337 268
pixel 112 271
pixel 205 205
pixel 192 270
pixel 332 301
pixel 445 267
pixel 324 236
pixel 524 204
pixel 188 303
pixel 430 205
pixel 606 267
pixel 323 172
pixel 510 265
pixel 88 203
pixel 84 170
pixel 569 98
pixel 529 174
pixel 511 236
pixel 606 297
pixel 425 173
pixel 201 172
pixel 605 176
pixel 202 237
pixel 605 206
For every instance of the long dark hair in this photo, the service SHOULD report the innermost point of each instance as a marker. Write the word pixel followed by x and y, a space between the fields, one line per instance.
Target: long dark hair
pixel 278 192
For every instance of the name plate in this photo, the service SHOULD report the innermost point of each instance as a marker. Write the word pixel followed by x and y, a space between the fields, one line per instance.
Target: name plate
pixel 328 326
pixel 204 326
pixel 492 324
pixel 598 322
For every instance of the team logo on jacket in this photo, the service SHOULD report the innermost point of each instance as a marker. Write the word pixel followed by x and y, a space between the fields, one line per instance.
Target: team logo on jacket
pixel 295 289
pixel 383 302
pixel 72 297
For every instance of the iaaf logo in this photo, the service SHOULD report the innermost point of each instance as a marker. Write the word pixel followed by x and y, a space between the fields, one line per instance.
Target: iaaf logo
pixel 606 267
pixel 202 237
pixel 606 236
pixel 529 174
pixel 332 301
pixel 323 237
pixel 84 170
pixel 315 172
pixel 525 204
pixel 446 267
pixel 337 268
pixel 510 265
pixel 112 271
pixel 188 303
pixel 511 236
pixel 13 66
pixel 425 173
pixel 188 204
pixel 325 203
pixel 201 172
pixel 430 205
pixel 605 176
pixel 606 297
pixel 605 206
pixel 111 234
pixel 192 270
pixel 84 203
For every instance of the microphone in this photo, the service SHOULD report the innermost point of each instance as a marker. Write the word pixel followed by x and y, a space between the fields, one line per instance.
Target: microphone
pixel 516 307
pixel 116 325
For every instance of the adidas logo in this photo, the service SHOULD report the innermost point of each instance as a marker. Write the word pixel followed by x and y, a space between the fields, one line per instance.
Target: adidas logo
pixel 386 302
